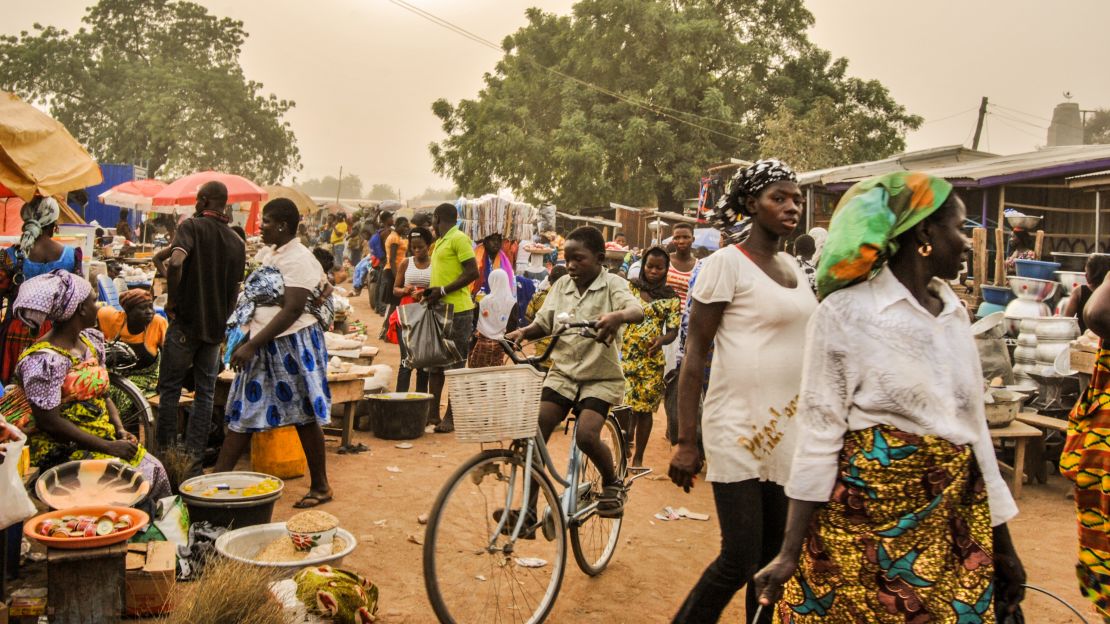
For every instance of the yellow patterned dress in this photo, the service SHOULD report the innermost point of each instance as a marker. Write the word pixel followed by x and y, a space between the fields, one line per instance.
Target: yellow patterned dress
pixel 1086 462
pixel 643 371
pixel 905 537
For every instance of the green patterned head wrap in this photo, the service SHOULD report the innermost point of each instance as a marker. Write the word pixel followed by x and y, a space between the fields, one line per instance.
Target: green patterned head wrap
pixel 867 222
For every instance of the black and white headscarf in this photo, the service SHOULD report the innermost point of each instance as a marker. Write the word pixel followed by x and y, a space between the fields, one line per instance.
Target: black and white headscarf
pixel 730 216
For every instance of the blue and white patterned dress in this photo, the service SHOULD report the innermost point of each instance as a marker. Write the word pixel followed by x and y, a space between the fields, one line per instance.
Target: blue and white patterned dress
pixel 286 382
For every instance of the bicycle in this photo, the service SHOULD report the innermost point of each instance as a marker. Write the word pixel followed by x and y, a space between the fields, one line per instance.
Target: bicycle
pixel 473 549
pixel 135 412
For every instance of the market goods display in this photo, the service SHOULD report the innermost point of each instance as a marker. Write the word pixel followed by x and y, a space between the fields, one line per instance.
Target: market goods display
pixel 312 529
pixel 265 486
pixel 346 597
pixel 85 527
pixel 283 550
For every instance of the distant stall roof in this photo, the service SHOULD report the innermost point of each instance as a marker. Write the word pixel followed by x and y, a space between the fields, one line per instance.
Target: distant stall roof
pixel 1050 162
pixel 590 220
pixel 906 161
pixel 1098 179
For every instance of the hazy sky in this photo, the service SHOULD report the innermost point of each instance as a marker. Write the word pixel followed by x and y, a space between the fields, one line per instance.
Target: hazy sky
pixel 364 72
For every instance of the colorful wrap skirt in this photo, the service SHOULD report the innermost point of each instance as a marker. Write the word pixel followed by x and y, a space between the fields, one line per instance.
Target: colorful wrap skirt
pixel 1086 462
pixel 905 537
pixel 285 384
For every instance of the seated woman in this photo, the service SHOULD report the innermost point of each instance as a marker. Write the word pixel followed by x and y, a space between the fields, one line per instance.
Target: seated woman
pixel 63 380
pixel 139 327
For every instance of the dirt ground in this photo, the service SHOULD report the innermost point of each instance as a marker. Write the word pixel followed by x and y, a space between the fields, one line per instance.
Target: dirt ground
pixel 656 563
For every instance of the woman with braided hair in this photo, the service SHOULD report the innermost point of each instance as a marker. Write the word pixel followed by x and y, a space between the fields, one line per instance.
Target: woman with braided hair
pixel 751 301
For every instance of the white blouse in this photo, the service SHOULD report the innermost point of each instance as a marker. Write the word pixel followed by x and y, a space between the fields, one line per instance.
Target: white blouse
pixel 875 356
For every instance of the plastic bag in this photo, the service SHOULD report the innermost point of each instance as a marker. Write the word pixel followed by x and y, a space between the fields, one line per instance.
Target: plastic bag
pixel 17 506
pixel 427 344
pixel 191 559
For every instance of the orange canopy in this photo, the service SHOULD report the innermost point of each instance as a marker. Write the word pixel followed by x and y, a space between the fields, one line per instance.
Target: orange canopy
pixel 38 156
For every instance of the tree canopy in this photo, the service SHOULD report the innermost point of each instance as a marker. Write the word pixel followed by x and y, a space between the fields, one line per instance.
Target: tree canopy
pixel 328 186
pixel 1097 128
pixel 158 83
pixel 382 191
pixel 630 100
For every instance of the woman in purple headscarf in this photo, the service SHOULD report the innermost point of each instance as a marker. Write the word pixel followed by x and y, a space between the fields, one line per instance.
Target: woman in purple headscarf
pixel 63 382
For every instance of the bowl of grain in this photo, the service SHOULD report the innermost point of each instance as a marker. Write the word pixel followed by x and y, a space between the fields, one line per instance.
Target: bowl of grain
pixel 313 529
pixel 269 546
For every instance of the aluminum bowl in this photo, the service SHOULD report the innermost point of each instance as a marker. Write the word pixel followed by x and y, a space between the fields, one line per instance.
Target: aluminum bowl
pixel 1047 350
pixel 1057 328
pixel 1024 222
pixel 1031 289
pixel 246 543
pixel 1070 280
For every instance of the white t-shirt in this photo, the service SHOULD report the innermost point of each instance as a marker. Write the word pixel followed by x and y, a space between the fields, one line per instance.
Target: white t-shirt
pixel 299 269
pixel 748 422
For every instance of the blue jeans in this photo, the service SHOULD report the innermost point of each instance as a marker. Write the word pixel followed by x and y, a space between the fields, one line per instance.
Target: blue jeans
pixel 181 352
pixel 337 254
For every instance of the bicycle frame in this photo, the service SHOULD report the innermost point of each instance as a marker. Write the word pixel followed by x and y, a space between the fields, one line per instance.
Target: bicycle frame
pixel 568 499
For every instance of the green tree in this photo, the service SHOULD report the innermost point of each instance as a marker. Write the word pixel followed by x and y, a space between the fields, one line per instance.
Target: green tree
pixel 328 186
pixel 1097 128
pixel 680 84
pixel 381 191
pixel 433 194
pixel 155 82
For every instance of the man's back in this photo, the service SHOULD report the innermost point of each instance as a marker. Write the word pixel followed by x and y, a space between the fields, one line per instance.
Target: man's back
pixel 210 276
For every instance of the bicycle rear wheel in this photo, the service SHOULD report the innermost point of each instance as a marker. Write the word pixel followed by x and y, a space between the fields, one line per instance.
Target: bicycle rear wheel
pixel 134 410
pixel 473 574
pixel 593 538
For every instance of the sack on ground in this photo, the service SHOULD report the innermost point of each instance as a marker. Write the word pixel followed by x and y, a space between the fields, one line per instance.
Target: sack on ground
pixel 427 343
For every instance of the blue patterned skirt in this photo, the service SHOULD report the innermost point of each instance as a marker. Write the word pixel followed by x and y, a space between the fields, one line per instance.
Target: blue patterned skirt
pixel 285 384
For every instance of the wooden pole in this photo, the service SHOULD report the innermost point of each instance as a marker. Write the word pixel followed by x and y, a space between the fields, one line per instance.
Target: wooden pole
pixel 1038 244
pixel 979 123
pixel 1098 228
pixel 979 258
pixel 999 257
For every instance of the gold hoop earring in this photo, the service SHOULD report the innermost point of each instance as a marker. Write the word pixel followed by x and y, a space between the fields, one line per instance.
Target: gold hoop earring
pixel 925 250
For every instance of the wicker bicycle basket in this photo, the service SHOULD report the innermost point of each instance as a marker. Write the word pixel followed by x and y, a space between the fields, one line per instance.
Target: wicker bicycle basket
pixel 497 403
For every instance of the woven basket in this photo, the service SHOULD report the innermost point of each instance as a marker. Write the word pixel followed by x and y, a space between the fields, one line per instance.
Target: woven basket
pixel 498 403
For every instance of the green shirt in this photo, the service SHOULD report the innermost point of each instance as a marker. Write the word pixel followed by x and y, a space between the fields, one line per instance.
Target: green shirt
pixel 578 357
pixel 450 252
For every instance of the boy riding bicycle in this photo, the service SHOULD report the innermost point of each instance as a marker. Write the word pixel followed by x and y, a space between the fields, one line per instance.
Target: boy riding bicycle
pixel 586 373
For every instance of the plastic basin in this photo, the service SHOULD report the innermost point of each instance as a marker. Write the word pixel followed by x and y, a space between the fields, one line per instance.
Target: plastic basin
pixel 399 415
pixel 998 295
pixel 91 482
pixel 246 543
pixel 228 510
pixel 1036 269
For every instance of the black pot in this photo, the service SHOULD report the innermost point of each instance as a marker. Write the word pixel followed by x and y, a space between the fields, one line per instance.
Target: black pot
pixel 399 415
pixel 232 514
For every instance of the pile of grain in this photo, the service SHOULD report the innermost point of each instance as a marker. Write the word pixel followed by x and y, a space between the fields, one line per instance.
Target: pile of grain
pixel 282 550
pixel 313 521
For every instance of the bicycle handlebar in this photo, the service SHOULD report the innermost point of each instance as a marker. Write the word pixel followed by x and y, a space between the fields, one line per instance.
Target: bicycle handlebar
pixel 512 349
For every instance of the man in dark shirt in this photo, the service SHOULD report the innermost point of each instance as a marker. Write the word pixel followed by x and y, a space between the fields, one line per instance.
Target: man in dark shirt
pixel 203 266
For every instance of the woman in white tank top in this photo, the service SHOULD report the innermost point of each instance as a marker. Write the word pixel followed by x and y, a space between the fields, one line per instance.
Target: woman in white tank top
pixel 412 277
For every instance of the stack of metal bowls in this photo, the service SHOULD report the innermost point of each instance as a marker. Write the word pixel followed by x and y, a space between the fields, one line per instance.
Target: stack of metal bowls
pixel 1030 303
pixel 1069 281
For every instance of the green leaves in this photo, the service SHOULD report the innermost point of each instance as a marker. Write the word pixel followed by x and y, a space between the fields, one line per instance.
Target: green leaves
pixel 155 82
pixel 629 101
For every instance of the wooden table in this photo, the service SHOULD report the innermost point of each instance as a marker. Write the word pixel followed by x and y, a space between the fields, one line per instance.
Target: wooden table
pixel 1036 457
pixel 85 586
pixel 1021 434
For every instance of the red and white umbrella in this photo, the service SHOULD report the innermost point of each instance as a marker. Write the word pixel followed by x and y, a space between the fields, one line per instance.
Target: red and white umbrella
pixel 183 192
pixel 137 194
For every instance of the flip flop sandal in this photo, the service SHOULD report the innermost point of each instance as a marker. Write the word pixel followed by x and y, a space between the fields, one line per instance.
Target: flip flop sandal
pixel 318 500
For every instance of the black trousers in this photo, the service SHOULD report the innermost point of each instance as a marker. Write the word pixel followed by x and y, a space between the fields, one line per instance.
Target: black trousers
pixel 752 515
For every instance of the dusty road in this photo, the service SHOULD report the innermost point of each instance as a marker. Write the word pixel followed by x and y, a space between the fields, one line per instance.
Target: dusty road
pixel 656 562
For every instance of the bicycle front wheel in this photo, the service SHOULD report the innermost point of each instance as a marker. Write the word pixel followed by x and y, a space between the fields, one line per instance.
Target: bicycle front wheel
pixel 134 410
pixel 475 574
pixel 593 538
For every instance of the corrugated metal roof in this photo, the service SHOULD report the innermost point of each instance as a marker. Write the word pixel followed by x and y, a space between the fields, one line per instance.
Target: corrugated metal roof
pixel 998 170
pixel 1089 180
pixel 932 157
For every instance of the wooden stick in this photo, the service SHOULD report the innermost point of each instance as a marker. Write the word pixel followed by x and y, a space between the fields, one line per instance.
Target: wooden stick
pixel 1038 244
pixel 999 257
pixel 979 258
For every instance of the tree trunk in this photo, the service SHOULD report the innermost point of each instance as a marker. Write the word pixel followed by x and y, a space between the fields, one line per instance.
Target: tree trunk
pixel 666 201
